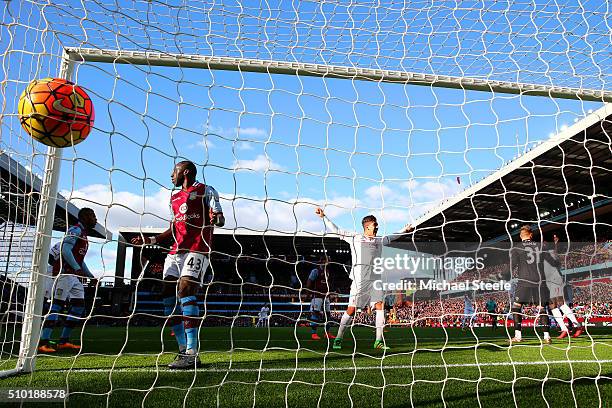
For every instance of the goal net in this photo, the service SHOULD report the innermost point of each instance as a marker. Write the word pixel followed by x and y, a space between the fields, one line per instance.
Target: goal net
pixel 467 120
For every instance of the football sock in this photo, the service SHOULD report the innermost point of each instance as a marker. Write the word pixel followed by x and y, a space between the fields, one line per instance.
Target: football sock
pixel 66 330
pixel 546 321
pixel 46 335
pixel 75 312
pixel 567 311
pixel 191 312
pixel 345 321
pixel 518 319
pixel 171 308
pixel 179 335
pixel 328 322
pixel 47 330
pixel 313 324
pixel 559 318
pixel 380 324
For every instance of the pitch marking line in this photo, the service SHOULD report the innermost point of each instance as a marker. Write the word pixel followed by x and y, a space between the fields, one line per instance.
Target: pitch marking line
pixel 290 369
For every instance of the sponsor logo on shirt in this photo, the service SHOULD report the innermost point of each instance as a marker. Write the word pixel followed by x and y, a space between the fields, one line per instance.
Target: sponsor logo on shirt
pixel 183 208
pixel 185 217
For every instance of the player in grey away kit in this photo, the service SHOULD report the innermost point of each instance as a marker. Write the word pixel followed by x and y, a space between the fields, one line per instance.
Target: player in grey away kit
pixel 556 285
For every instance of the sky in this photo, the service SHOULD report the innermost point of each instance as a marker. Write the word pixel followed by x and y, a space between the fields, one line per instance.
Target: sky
pixel 277 146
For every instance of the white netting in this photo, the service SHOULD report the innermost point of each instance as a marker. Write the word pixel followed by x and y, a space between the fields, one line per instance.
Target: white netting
pixel 278 142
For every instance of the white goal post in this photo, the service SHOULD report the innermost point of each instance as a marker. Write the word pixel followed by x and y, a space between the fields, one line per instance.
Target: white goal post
pixel 32 318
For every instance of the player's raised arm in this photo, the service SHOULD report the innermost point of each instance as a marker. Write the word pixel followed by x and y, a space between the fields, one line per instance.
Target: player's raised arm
pixel 513 260
pixel 404 230
pixel 551 255
pixel 329 224
pixel 312 277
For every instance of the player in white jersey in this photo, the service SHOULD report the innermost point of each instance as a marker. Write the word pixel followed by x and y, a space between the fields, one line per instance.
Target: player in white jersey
pixel 365 248
pixel 263 316
pixel 555 284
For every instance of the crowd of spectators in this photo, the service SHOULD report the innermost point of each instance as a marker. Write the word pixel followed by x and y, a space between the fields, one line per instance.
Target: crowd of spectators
pixel 589 254
pixel 591 300
pixel 482 274
pixel 594 298
pixel 574 257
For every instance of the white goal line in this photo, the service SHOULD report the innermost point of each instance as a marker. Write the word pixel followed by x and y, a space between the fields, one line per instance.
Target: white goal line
pixel 353 368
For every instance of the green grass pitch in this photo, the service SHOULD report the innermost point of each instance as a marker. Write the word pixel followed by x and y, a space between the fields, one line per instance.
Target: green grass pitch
pixel 275 367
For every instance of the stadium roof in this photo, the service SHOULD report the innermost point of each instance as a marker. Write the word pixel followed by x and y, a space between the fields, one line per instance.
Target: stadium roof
pixel 225 231
pixel 20 194
pixel 263 245
pixel 566 177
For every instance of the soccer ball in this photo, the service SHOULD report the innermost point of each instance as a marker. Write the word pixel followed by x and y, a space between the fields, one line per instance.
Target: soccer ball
pixel 56 112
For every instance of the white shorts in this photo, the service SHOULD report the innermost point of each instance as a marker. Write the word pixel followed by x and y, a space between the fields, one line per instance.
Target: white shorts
pixel 364 294
pixel 48 282
pixel 68 286
pixel 554 290
pixel 190 264
pixel 317 304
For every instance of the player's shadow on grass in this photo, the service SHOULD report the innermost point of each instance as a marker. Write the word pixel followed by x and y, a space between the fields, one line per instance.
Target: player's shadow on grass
pixel 493 347
pixel 501 395
pixel 314 361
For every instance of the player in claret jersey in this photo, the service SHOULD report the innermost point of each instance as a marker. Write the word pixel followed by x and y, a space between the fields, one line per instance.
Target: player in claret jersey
pixel 68 289
pixel 196 210
pixel 320 311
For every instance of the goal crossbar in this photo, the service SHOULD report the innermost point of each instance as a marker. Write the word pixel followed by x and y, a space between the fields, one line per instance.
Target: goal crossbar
pixel 332 71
